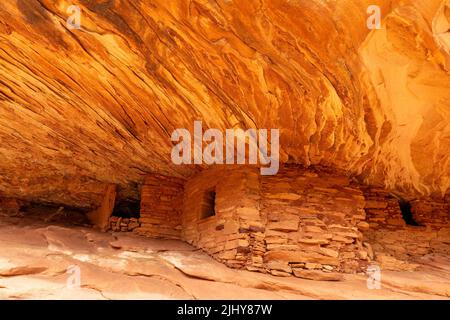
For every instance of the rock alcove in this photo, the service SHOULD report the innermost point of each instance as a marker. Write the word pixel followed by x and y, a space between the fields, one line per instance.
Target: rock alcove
pixel 86 117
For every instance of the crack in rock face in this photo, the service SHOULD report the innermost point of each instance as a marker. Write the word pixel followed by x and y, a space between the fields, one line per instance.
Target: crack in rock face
pixel 97 104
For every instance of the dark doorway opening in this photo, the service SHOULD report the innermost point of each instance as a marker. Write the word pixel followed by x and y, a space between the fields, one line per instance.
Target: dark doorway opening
pixel 208 205
pixel 405 207
pixel 127 209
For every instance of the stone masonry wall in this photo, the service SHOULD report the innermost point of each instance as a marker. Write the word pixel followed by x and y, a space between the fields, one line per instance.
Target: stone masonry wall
pixel 161 206
pixel 434 214
pixel 382 209
pixel 228 236
pixel 310 223
pixel 296 222
pixel 314 220
pixel 388 234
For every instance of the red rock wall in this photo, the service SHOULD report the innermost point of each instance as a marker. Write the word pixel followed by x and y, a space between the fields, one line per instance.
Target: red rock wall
pixel 289 223
pixel 161 205
pixel 388 234
pixel 382 209
pixel 313 222
pixel 308 223
pixel 433 214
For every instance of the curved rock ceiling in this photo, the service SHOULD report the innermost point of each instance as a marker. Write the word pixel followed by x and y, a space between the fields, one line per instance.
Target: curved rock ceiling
pixel 100 103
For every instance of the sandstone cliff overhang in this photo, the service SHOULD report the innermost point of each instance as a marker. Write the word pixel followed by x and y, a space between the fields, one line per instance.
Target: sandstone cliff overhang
pixel 98 104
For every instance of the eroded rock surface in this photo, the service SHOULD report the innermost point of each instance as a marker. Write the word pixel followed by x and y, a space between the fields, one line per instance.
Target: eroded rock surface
pixel 37 261
pixel 99 104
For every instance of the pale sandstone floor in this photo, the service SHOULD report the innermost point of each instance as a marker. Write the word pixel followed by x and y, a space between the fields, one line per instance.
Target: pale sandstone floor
pixel 35 257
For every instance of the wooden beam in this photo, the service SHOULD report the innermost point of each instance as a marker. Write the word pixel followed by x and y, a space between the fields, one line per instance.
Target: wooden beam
pixel 100 216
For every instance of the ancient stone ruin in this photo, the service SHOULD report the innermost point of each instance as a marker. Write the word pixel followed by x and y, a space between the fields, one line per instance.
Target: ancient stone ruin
pixel 301 222
pixel 357 119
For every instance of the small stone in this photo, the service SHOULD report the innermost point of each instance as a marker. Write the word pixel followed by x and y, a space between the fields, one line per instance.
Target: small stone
pixel 313 266
pixel 363 226
pixel 280 273
pixel 279 266
pixel 317 275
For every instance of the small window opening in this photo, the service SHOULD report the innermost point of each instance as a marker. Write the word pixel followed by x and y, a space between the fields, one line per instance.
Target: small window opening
pixel 208 204
pixel 405 207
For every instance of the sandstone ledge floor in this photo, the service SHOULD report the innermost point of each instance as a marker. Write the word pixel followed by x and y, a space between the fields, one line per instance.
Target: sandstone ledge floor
pixel 35 257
